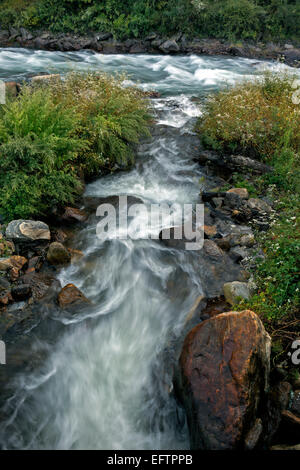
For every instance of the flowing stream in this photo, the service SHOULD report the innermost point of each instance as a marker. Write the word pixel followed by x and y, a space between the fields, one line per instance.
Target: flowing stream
pixel 103 383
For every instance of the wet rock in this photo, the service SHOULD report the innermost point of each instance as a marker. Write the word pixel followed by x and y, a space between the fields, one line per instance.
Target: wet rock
pixel 72 215
pixel 235 290
pixel 252 438
pixel 224 243
pixel 58 254
pixel 43 285
pixel 174 238
pixel 76 255
pixel 241 192
pixel 233 201
pixel 292 56
pixel 21 292
pixel 262 226
pixel 169 46
pixel 71 298
pixel 233 162
pixel 214 307
pixel 103 36
pixel 238 254
pixel 60 236
pixel 196 309
pixel 222 380
pixel 212 250
pixel 13 263
pixel 27 231
pixel 259 207
pixel 34 264
pixel 91 203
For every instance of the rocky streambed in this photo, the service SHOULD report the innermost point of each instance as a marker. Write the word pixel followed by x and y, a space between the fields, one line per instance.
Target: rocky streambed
pixel 132 344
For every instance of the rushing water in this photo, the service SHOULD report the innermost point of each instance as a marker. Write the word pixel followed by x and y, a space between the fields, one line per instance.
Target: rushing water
pixel 103 384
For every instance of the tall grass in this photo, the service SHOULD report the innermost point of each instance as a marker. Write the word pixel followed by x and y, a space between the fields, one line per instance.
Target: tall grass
pixel 112 117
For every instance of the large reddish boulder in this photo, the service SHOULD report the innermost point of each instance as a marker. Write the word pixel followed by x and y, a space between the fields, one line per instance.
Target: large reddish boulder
pixel 222 380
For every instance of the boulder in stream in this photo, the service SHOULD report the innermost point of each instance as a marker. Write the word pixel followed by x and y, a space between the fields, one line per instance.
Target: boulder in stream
pixel 58 254
pixel 71 298
pixel 222 379
pixel 27 231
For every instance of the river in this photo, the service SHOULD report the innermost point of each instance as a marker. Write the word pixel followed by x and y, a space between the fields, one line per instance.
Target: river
pixel 102 383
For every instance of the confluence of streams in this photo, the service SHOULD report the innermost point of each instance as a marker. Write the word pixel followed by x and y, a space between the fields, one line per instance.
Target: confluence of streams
pixel 103 383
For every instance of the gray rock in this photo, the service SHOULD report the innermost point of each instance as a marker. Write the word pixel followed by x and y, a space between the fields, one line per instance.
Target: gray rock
pixel 27 231
pixel 103 36
pixel 233 200
pixel 259 206
pixel 169 46
pixel 235 290
pixel 217 202
pixel 238 253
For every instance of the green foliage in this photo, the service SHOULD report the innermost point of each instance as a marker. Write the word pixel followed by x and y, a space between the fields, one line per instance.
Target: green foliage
pixel 265 123
pixel 228 19
pixel 55 130
pixel 112 117
pixel 37 148
pixel 262 122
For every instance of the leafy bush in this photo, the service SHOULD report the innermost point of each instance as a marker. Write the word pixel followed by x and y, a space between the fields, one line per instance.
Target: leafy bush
pixel 37 149
pixel 228 19
pixel 55 130
pixel 262 116
pixel 112 118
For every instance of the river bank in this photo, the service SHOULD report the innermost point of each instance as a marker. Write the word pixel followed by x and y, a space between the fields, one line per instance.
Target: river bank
pixel 285 52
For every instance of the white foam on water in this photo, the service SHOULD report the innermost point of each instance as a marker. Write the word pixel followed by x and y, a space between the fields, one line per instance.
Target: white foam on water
pixel 103 384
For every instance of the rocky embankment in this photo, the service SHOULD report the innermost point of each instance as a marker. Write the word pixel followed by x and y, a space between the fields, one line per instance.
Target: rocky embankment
pixel 152 44
pixel 30 256
pixel 223 379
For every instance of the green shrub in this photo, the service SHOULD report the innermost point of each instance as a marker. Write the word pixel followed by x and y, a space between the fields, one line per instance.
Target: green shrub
pixel 59 128
pixel 112 117
pixel 228 19
pixel 262 116
pixel 37 151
